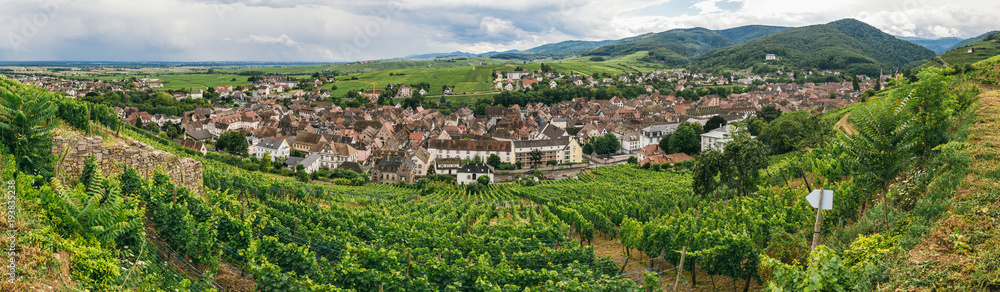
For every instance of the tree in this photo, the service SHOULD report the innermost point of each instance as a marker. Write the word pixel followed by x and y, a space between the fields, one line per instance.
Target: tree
pixel 714 123
pixel 754 125
pixel 588 148
pixel 494 160
pixel 768 113
pixel 26 123
pixel 483 180
pixel 787 133
pixel 535 156
pixel 233 142
pixel 633 160
pixel 746 156
pixel 664 143
pixel 607 144
pixel 153 128
pixel 708 166
pixel 300 173
pixel 685 140
pixel 933 103
pixel 883 144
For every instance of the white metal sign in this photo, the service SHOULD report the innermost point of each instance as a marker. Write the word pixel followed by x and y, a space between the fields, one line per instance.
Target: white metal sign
pixel 814 197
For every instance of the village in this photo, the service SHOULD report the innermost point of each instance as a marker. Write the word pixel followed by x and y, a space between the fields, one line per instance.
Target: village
pixel 393 144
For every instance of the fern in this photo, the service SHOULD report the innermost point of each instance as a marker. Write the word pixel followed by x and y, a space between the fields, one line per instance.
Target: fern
pixel 95 210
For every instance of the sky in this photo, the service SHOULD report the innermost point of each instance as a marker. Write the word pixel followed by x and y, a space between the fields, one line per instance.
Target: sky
pixel 342 30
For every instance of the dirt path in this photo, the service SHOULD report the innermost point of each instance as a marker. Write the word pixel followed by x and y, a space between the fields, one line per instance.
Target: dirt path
pixel 957 244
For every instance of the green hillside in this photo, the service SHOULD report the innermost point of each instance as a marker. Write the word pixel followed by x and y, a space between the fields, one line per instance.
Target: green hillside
pixel 845 44
pixel 972 40
pixel 683 42
pixel 960 56
pixel 745 33
pixel 568 47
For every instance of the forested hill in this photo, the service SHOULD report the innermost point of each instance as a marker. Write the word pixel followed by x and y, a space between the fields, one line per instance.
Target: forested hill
pixel 844 44
pixel 745 33
pixel 684 42
pixel 568 47
pixel 974 40
pixel 986 48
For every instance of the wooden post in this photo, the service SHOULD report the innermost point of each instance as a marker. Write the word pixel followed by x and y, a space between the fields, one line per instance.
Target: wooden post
pixel 680 267
pixel 804 179
pixel 819 214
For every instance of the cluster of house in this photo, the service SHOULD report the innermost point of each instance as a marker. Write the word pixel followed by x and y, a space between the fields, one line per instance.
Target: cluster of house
pixel 403 144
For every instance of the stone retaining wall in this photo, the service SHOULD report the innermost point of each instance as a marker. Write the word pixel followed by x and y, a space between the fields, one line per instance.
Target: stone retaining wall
pixel 145 159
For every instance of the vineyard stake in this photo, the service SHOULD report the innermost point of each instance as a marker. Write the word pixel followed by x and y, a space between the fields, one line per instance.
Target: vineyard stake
pixel 819 215
pixel 680 268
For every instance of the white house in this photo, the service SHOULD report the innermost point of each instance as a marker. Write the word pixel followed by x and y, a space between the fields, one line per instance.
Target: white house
pixel 717 139
pixel 334 154
pixel 277 148
pixel 469 149
pixel 470 173
pixel 311 162
pixel 653 134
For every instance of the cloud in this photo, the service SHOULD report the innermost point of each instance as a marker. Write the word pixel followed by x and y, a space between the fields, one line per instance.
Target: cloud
pixel 342 30
pixel 707 7
pixel 263 39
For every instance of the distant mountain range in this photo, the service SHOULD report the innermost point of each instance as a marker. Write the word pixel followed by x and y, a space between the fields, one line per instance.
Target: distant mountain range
pixel 987 46
pixel 459 54
pixel 972 40
pixel 939 46
pixel 846 44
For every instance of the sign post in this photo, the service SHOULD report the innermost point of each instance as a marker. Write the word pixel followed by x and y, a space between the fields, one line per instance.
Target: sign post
pixel 821 200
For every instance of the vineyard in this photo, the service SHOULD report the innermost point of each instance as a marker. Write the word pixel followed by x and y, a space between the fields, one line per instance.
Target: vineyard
pixel 290 235
pixel 738 217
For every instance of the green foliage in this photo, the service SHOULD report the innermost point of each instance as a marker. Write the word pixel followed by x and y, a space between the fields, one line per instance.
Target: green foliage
pixel 494 160
pixel 152 127
pixel 605 145
pixel 89 170
pixel 753 125
pixel 664 143
pixel 884 143
pixel 794 131
pixel 746 157
pixel 184 220
pixel 933 105
pixel 483 180
pixel 233 142
pixel 93 210
pixel 824 272
pixel 867 250
pixel 94 266
pixel 75 113
pixel 714 123
pixel 684 140
pixel 708 166
pixel 26 121
pixel 768 113
pixel 633 160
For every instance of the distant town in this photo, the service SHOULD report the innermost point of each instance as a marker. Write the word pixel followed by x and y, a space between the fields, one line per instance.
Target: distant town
pixel 402 144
